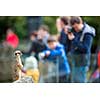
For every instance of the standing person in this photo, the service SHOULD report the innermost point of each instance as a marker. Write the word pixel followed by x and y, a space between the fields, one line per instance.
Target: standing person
pixel 62 23
pixel 81 40
pixel 95 77
pixel 44 33
pixel 12 39
pixel 37 44
pixel 55 51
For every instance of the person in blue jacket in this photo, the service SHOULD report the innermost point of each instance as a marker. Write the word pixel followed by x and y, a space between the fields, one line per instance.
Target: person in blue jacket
pixel 81 41
pixel 55 53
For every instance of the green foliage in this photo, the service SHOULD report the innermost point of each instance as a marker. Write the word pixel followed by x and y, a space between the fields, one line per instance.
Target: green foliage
pixel 51 22
pixel 20 26
pixel 17 23
pixel 95 22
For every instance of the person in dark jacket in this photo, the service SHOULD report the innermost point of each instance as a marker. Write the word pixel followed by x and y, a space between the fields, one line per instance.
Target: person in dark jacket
pixel 62 23
pixel 81 41
pixel 55 53
pixel 37 44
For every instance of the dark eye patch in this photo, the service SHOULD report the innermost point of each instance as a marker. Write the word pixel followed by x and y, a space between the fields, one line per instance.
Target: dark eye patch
pixel 17 53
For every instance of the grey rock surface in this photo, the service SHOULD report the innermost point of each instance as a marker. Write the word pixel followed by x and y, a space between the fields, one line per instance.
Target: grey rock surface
pixel 25 79
pixel 7 65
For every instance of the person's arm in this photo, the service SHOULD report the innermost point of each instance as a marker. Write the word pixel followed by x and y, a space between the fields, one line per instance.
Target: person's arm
pixel 85 45
pixel 32 48
pixel 63 38
pixel 51 53
pixel 56 52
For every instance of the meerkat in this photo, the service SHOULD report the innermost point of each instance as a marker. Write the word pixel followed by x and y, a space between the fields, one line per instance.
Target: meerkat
pixel 34 73
pixel 19 64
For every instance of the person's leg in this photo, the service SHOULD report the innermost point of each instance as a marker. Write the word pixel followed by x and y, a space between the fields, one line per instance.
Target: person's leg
pixel 73 70
pixel 73 74
pixel 80 74
pixel 64 79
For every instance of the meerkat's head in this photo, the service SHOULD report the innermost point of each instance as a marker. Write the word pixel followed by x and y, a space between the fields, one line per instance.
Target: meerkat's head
pixel 17 53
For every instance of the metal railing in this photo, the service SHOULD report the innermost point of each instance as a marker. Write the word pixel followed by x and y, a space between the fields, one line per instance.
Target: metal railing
pixel 49 71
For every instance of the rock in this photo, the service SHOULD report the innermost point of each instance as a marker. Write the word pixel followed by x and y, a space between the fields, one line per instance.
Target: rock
pixel 7 65
pixel 25 79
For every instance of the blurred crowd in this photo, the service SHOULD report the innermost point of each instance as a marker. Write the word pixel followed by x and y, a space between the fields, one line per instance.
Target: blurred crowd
pixel 70 50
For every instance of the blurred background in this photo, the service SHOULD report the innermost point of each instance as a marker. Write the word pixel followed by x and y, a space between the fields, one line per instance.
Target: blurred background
pixel 22 26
